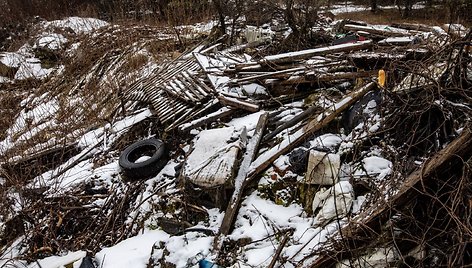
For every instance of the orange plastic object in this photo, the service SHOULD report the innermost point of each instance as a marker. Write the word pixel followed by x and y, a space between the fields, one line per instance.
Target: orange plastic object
pixel 382 78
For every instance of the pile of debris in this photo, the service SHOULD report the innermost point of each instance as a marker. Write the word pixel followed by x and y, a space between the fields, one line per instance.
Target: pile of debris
pixel 354 153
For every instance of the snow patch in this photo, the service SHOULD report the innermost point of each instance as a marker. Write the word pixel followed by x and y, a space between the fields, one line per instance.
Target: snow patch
pixel 60 261
pixel 51 41
pixel 78 25
pixel 132 252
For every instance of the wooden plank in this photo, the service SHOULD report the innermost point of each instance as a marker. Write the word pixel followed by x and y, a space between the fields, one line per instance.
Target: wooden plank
pixel 206 119
pixel 175 113
pixel 387 31
pixel 365 225
pixel 204 110
pixel 203 85
pixel 413 26
pixel 292 122
pixel 191 81
pixel 173 90
pixel 179 120
pixel 327 77
pixel 241 181
pixel 233 102
pixel 305 54
pixel 270 74
pixel 187 88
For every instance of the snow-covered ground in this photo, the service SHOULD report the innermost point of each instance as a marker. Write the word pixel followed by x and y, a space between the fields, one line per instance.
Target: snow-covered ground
pixel 349 7
pixel 133 214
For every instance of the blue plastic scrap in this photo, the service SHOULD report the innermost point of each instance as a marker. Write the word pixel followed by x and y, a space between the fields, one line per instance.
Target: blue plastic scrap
pixel 208 264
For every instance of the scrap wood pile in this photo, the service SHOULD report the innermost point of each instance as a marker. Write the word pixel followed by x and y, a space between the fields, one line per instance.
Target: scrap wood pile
pixel 355 153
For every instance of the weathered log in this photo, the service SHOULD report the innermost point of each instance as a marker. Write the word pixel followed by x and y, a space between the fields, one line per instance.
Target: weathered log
pixel 367 224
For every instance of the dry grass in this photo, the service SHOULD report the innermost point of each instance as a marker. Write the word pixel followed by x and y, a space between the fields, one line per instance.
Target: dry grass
pixel 428 16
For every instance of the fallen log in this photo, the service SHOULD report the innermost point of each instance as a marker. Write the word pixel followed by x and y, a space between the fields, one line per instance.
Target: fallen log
pixel 365 227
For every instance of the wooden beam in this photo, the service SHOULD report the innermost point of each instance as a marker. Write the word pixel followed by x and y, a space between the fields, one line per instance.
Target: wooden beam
pixel 241 181
pixel 206 119
pixel 292 122
pixel 327 77
pixel 265 75
pixel 305 54
pixel 387 31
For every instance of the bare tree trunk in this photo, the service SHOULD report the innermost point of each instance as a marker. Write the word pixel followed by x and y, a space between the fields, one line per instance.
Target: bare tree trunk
pixel 373 5
pixel 407 10
pixel 219 6
pixel 290 17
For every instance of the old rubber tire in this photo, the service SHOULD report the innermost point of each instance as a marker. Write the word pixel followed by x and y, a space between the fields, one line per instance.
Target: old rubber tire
pixel 152 148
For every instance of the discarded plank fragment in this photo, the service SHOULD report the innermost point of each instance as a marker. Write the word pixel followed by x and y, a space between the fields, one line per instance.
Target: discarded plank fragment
pixel 413 26
pixel 399 41
pixel 266 75
pixel 313 77
pixel 292 122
